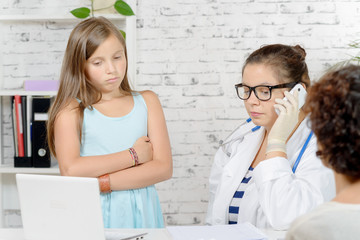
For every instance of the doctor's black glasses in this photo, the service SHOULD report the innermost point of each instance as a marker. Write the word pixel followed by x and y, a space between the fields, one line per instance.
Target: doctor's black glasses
pixel 262 92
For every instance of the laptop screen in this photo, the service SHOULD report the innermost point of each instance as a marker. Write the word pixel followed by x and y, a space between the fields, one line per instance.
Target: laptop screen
pixel 59 207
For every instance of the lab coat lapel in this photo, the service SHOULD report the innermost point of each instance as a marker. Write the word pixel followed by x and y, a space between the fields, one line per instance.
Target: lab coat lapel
pixel 240 162
pixel 235 170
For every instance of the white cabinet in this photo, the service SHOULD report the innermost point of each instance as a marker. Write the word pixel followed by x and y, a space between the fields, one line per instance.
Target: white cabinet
pixel 8 193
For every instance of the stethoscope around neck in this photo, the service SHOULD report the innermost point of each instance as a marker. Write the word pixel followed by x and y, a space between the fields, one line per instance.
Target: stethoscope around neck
pixel 223 143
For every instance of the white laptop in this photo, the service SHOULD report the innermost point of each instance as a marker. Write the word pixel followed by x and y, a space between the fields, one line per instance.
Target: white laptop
pixel 59 207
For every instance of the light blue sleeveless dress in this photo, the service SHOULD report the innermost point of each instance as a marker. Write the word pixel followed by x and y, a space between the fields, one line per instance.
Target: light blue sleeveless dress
pixel 135 208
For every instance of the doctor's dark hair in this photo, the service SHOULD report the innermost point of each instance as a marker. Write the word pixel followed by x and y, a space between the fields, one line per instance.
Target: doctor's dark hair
pixel 84 39
pixel 287 62
pixel 334 106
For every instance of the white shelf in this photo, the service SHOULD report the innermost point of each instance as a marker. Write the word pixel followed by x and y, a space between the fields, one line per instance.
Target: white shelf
pixel 27 93
pixel 10 169
pixel 67 17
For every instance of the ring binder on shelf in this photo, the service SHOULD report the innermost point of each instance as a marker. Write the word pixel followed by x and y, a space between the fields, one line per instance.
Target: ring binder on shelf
pixel 40 150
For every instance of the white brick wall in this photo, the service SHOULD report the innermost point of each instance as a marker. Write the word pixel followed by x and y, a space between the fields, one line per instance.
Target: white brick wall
pixel 191 54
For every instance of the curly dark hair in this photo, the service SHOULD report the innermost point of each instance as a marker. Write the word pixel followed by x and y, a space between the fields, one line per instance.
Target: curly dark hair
pixel 334 106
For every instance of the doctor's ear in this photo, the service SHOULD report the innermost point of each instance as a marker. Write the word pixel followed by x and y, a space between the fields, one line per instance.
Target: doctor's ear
pixel 303 84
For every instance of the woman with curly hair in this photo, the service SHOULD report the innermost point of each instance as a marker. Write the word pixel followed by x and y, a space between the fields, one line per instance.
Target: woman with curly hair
pixel 334 103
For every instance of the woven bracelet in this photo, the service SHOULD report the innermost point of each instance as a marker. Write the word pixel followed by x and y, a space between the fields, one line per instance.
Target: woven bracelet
pixel 134 156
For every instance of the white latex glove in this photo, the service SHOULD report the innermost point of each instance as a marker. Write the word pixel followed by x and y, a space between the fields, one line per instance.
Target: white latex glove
pixel 285 123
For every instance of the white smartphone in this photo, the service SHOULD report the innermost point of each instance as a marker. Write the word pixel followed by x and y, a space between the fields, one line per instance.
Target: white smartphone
pixel 302 95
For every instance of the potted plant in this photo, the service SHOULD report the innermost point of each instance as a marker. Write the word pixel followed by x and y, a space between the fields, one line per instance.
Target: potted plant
pixel 352 60
pixel 120 6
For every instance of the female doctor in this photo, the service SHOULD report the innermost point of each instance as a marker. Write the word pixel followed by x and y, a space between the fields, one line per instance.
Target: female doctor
pixel 266 172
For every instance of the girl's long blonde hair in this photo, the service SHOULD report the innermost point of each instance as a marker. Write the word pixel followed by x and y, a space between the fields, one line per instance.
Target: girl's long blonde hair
pixel 84 39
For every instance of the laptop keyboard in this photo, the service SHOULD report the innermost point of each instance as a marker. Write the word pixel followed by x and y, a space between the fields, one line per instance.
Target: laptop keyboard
pixel 114 235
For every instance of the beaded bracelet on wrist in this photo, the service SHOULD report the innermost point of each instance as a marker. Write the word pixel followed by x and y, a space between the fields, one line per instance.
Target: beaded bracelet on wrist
pixel 134 156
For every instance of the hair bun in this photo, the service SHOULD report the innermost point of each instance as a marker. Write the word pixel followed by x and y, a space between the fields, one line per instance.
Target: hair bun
pixel 301 51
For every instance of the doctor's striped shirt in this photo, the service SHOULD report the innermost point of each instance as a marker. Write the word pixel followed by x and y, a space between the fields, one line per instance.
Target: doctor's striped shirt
pixel 238 195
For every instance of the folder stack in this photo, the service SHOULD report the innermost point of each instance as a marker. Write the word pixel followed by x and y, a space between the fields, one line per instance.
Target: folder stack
pixel 29 115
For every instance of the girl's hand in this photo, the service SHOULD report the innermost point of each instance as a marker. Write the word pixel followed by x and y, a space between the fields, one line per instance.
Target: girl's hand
pixel 144 149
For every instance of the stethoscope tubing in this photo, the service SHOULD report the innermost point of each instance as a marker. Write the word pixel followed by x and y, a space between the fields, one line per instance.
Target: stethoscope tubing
pixel 302 152
pixel 223 143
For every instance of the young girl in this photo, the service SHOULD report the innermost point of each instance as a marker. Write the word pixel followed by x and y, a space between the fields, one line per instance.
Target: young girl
pixel 99 127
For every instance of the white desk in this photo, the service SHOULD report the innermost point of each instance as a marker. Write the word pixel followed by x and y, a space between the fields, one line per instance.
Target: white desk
pixel 153 234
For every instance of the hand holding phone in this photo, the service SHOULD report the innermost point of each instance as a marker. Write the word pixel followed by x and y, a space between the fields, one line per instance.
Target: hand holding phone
pixel 301 96
pixel 286 122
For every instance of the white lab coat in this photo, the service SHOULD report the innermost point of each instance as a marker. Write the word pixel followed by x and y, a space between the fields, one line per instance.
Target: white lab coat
pixel 277 196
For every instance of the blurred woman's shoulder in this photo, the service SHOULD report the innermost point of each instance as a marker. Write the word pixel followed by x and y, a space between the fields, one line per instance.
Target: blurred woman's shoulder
pixel 331 221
